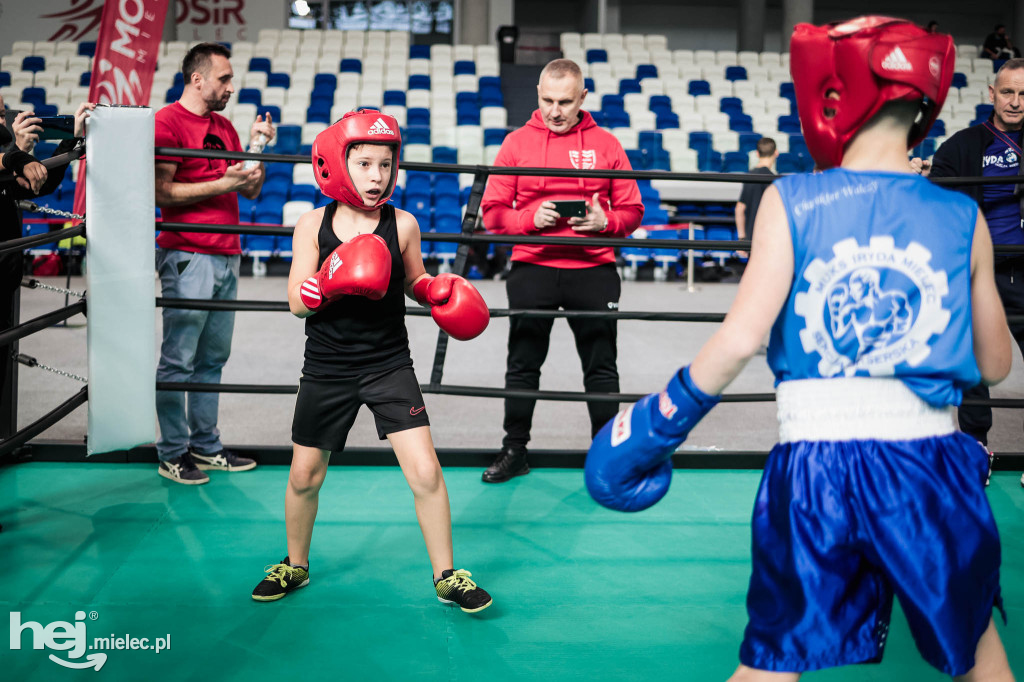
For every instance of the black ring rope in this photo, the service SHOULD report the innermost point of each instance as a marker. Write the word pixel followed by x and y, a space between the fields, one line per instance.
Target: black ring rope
pixel 46 421
pixel 36 324
pixel 758 178
pixel 22 243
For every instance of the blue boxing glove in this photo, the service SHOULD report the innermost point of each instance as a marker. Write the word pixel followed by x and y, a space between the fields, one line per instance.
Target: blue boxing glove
pixel 629 466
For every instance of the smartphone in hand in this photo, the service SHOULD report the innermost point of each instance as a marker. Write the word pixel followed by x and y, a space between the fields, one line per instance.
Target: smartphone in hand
pixel 571 209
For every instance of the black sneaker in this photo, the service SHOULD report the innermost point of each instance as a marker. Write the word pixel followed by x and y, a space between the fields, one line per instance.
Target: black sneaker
pixel 182 470
pixel 455 587
pixel 511 462
pixel 224 460
pixel 281 579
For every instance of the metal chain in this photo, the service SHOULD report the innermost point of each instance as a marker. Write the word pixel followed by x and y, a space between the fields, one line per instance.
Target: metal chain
pixel 30 361
pixel 36 284
pixel 33 207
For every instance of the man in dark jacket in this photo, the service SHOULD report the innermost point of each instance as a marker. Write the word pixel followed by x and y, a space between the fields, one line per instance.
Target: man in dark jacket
pixel 993 149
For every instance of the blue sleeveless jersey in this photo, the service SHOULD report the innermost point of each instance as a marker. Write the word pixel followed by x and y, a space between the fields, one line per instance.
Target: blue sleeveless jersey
pixel 881 282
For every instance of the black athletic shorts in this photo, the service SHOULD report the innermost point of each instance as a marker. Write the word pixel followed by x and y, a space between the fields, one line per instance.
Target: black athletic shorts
pixel 326 408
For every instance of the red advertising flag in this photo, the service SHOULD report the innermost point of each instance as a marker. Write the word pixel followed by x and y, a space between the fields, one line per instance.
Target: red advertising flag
pixel 126 54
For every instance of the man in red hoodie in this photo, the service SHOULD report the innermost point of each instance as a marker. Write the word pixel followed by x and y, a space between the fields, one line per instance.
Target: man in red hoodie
pixel 559 135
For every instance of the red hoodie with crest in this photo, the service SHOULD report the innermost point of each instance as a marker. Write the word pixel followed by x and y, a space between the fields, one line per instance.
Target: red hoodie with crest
pixel 510 202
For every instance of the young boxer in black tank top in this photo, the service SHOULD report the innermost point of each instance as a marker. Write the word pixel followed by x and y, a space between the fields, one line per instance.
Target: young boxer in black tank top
pixel 353 263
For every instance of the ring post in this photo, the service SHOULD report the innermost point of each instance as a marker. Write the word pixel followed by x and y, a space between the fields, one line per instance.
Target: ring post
pixel 121 290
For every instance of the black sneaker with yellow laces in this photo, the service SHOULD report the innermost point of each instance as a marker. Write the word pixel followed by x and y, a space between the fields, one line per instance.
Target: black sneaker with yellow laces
pixel 455 587
pixel 281 579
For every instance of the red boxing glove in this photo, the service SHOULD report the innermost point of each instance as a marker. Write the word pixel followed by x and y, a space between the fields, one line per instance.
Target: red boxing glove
pixel 455 304
pixel 360 267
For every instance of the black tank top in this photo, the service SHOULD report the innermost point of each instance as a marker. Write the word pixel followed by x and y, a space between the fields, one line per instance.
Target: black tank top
pixel 355 335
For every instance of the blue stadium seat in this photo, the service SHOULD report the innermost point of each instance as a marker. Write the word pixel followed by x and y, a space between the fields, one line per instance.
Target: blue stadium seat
pixel 654 214
pixel 279 171
pixel 588 83
pixel 666 119
pixel 33 63
pixel 798 145
pixel 467 98
pixel 394 98
pixel 786 90
pixel 925 149
pixel 417 116
pixel 735 73
pixel 615 117
pixel 700 141
pixel 983 111
pixel 260 64
pixel 660 103
pixel 494 136
pixel 646 71
pixel 319 112
pixel 464 68
pixel 647 192
pixel 419 82
pixel 596 56
pixel 489 82
pixel 179 79
pixel 741 123
pixel 612 102
pixel 637 159
pixel 938 129
pixel 416 135
pixel 396 196
pixel 46 110
pixel 649 141
pixel 87 48
pixel 660 161
pixel 351 66
pixel 735 162
pixel 446 155
pixel 303 193
pixel 447 206
pixel 44 149
pixel 289 137
pixel 263 242
pixel 598 117
pixel 250 96
pixel 268 212
pixel 467 117
pixel 325 82
pixel 321 100
pixel 448 223
pixel 491 97
pixel 417 182
pixel 709 162
pixel 306 149
pixel 322 200
pixel 699 87
pixel 729 105
pixel 789 163
pixel 959 80
pixel 245 209
pixel 85 80
pixel 36 96
pixel 628 85
pixel 5 79
pixel 789 123
pixel 446 185
pixel 275 188
pixel 173 93
pixel 419 52
pixel 278 80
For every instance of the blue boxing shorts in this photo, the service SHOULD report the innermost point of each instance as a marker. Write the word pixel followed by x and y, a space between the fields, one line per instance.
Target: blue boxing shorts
pixel 870 494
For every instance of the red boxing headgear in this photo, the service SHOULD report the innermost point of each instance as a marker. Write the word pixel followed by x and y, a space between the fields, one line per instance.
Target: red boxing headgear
pixel 330 154
pixel 844 72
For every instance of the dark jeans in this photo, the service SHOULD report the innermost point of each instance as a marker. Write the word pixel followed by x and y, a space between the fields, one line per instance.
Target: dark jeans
pixel 976 420
pixel 540 287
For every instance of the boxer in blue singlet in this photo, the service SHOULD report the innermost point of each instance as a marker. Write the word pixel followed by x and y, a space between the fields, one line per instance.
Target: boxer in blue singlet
pixel 878 289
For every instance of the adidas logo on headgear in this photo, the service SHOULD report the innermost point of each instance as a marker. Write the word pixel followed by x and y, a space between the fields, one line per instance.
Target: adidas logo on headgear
pixel 897 61
pixel 380 128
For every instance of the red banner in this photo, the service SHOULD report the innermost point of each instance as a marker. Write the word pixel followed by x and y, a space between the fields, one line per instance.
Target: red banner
pixel 126 54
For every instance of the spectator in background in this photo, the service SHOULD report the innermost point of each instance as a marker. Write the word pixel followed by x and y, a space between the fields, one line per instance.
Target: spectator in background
pixel 750 195
pixel 998 46
pixel 992 149
pixel 196 343
pixel 559 135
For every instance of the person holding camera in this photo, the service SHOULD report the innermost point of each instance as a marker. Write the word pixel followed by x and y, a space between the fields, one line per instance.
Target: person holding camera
pixel 559 135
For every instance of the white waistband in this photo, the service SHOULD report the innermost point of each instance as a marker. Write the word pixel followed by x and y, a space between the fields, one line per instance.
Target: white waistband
pixel 856 408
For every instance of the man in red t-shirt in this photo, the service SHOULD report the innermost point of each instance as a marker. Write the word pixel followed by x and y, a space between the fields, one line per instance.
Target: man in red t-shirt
pixel 559 135
pixel 196 343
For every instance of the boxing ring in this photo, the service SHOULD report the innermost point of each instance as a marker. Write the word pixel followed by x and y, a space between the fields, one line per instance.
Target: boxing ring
pixel 580 592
